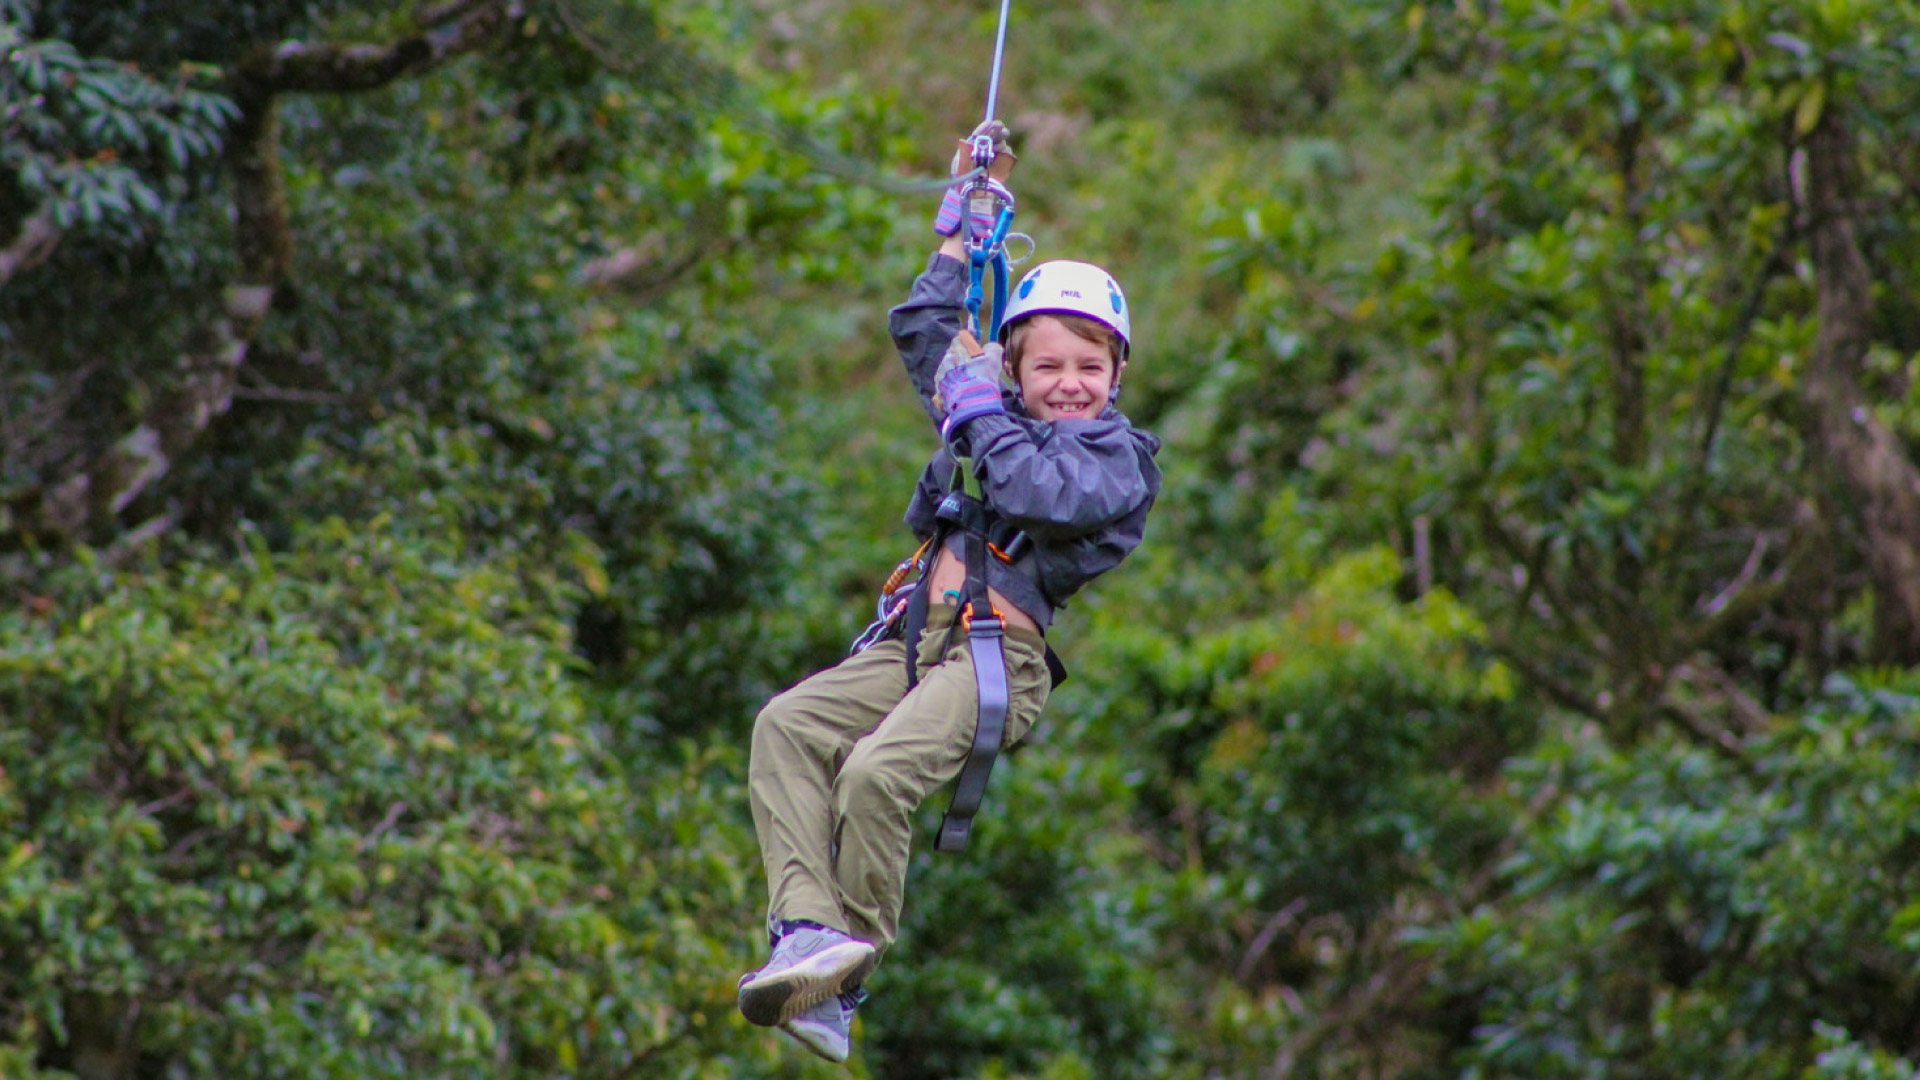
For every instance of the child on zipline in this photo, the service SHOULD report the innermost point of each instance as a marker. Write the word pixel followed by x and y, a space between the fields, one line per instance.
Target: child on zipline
pixel 841 761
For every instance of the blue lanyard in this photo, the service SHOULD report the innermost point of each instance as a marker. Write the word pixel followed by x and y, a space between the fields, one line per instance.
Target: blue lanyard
pixel 981 254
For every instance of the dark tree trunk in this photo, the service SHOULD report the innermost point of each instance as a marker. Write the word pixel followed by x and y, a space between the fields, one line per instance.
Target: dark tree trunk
pixel 1863 456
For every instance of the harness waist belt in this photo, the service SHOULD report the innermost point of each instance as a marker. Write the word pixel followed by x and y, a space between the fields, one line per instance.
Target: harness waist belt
pixel 987 632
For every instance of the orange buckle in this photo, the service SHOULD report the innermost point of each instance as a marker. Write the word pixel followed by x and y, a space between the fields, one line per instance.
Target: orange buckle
pixel 996 616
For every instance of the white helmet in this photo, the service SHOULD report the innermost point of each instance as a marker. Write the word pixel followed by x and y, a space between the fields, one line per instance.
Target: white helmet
pixel 1070 288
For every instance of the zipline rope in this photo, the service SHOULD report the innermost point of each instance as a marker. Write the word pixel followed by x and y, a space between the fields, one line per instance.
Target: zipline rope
pixel 639 44
pixel 999 50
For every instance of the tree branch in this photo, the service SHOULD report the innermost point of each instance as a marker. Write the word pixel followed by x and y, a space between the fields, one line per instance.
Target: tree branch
pixel 326 68
pixel 1723 378
pixel 1748 571
pixel 102 487
pixel 1387 990
pixel 630 271
pixel 1752 716
pixel 1742 599
pixel 1627 322
pixel 38 237
pixel 128 545
pixel 1261 941
pixel 1562 692
pixel 1706 734
pixel 1539 579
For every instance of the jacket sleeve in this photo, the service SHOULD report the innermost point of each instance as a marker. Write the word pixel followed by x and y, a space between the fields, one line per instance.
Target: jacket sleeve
pixel 1064 479
pixel 926 324
pixel 932 486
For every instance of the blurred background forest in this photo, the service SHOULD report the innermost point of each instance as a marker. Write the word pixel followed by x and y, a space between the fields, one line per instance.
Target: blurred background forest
pixel 428 431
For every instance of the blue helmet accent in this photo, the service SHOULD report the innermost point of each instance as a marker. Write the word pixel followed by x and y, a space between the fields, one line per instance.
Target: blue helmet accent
pixel 1026 283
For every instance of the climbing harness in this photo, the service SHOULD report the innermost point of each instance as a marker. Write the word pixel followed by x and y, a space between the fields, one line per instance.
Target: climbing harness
pixel 904 600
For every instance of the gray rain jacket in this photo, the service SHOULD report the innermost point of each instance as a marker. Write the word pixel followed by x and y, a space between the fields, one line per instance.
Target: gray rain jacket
pixel 1079 489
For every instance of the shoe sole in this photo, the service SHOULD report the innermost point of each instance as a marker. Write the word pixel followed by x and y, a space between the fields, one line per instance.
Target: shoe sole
pixel 775 998
pixel 834 1051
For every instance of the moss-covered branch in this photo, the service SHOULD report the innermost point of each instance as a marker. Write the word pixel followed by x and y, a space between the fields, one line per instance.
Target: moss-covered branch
pixel 84 502
pixel 329 68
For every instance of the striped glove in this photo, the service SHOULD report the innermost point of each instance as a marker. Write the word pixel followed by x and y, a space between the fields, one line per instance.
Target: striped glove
pixel 969 386
pixel 984 215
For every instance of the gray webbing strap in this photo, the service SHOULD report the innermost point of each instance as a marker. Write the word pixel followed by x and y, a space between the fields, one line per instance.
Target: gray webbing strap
pixel 985 640
pixel 915 618
pixel 990 673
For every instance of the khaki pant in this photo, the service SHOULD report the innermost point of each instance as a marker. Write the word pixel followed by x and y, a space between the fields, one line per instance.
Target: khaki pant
pixel 841 761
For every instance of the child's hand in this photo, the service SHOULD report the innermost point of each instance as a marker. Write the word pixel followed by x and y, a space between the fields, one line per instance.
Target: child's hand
pixel 1003 156
pixel 947 221
pixel 965 351
pixel 969 384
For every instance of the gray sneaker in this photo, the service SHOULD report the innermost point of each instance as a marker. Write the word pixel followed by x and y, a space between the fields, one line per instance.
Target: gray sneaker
pixel 827 1028
pixel 810 964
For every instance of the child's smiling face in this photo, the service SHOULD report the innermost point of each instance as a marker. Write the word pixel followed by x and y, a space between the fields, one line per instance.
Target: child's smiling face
pixel 1062 375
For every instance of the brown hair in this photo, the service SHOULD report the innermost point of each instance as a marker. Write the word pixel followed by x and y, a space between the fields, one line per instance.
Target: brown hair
pixel 1082 327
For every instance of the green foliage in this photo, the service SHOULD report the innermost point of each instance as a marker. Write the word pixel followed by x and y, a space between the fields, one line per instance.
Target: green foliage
pixel 1842 1057
pixel 375 815
pixel 341 809
pixel 1032 956
pixel 1309 767
pixel 92 144
pixel 1602 304
pixel 1485 702
pixel 1685 916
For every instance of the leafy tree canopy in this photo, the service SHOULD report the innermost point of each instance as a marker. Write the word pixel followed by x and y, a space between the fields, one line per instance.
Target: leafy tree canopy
pixel 429 431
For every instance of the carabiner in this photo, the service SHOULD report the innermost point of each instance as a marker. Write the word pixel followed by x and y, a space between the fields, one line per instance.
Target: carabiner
pixel 983 152
pixel 998 208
